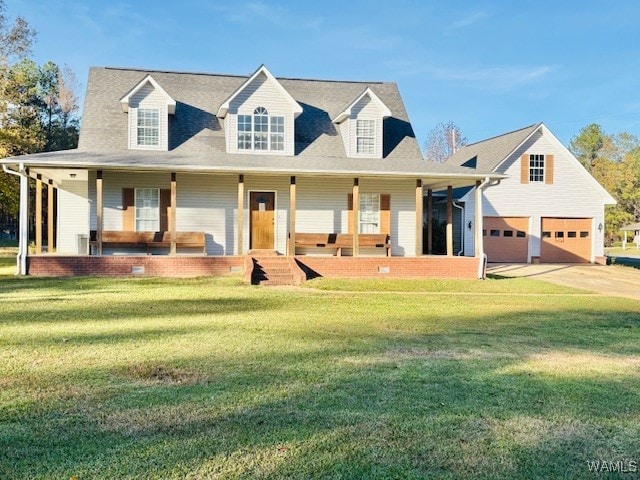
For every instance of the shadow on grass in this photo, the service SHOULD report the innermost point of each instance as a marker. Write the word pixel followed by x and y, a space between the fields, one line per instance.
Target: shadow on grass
pixel 460 403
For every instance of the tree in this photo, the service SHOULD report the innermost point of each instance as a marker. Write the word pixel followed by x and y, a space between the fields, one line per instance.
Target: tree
pixel 444 140
pixel 589 145
pixel 15 39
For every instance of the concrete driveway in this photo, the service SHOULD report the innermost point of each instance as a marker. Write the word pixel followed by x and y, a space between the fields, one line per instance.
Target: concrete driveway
pixel 613 280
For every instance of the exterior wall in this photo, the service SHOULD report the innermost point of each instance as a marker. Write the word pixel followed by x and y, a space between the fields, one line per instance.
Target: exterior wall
pixel 208 203
pixel 572 194
pixel 73 215
pixel 148 97
pixel 145 265
pixel 260 93
pixel 389 267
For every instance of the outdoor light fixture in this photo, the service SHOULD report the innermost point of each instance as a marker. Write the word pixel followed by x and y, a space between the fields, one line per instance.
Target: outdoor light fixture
pixel 600 227
pixel 72 175
pixel 469 225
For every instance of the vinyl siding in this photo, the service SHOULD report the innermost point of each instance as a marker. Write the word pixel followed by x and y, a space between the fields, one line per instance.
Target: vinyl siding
pixel 572 195
pixel 365 109
pixel 260 93
pixel 148 97
pixel 73 215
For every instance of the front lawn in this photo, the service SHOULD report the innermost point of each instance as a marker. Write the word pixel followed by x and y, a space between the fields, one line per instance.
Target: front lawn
pixel 208 378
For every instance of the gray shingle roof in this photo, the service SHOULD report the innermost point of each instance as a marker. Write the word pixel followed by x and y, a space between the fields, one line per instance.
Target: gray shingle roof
pixel 486 155
pixel 196 135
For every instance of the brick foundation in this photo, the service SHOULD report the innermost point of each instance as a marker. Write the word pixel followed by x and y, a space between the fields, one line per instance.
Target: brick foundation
pixel 389 267
pixel 149 265
pixel 185 266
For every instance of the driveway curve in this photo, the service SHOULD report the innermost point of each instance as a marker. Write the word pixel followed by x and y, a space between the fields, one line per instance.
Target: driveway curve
pixel 612 280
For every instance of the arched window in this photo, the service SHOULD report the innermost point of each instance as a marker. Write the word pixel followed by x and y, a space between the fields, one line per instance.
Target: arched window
pixel 260 132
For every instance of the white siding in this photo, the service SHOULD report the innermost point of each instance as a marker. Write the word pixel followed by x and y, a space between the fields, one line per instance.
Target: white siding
pixel 148 97
pixel 261 93
pixel 73 215
pixel 572 194
pixel 322 208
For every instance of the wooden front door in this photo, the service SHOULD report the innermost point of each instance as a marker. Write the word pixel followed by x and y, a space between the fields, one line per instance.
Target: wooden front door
pixel 262 206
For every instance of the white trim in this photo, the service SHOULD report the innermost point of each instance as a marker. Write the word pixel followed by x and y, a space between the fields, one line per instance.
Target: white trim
pixel 346 113
pixel 275 216
pixel 171 103
pixel 224 108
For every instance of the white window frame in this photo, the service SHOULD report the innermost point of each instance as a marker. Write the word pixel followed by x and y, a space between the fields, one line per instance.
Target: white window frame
pixel 369 213
pixel 365 136
pixel 146 128
pixel 536 167
pixel 152 214
pixel 260 131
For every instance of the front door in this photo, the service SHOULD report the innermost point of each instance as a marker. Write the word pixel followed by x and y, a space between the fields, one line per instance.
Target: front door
pixel 262 205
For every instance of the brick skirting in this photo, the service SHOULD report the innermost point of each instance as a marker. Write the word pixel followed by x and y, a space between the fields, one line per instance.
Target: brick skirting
pixel 146 265
pixel 188 266
pixel 389 267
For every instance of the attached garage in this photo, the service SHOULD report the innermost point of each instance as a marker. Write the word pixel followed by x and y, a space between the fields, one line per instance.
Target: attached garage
pixel 506 239
pixel 566 240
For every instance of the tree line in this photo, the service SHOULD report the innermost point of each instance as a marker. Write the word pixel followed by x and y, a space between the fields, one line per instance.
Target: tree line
pixel 38 105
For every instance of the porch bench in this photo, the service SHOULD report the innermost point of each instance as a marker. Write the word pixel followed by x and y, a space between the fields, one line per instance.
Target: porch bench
pixel 338 241
pixel 150 240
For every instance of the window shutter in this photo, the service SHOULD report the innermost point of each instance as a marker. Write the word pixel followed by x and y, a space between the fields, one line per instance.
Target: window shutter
pixel 524 168
pixel 128 209
pixel 350 218
pixel 165 209
pixel 548 169
pixel 385 213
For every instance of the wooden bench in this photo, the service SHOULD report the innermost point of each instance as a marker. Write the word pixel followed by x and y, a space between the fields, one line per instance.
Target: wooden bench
pixel 338 241
pixel 150 240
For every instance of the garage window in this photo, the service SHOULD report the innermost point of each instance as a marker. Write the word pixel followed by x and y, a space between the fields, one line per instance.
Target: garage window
pixel 546 234
pixel 507 233
pixel 495 233
pixel 572 234
pixel 584 234
pixel 521 234
pixel 559 234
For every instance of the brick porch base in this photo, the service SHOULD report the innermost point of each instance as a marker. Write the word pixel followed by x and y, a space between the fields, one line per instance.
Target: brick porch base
pixel 188 266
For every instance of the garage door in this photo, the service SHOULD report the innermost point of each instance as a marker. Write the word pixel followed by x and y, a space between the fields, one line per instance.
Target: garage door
pixel 566 240
pixel 506 239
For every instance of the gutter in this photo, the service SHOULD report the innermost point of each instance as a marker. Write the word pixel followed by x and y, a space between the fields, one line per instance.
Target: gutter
pixel 21 259
pixel 479 243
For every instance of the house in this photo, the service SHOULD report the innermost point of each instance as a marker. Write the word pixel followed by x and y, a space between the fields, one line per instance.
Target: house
pixel 204 174
pixel 547 208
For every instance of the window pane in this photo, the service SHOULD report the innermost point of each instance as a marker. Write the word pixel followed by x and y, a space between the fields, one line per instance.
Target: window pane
pixel 148 127
pixel 571 234
pixel 521 234
pixel 536 168
pixel 365 136
pixel 584 234
pixel 147 202
pixel 559 234
pixel 507 233
pixel 369 213
pixel 546 234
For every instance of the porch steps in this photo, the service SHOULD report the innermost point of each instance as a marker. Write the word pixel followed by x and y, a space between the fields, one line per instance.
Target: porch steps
pixel 275 270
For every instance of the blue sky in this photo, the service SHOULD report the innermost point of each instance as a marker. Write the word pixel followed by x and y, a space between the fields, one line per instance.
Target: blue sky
pixel 490 67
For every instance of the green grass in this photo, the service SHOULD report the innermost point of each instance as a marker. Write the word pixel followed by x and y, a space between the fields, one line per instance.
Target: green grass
pixel 208 378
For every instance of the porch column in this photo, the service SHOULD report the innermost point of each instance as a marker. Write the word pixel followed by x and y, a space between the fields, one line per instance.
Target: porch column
pixel 99 210
pixel 172 215
pixel 449 221
pixel 356 216
pixel 429 221
pixel 292 217
pixel 479 246
pixel 38 214
pixel 240 218
pixel 419 200
pixel 50 239
pixel 24 221
pixel 477 232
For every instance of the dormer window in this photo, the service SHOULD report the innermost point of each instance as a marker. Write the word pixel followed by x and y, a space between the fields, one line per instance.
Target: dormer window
pixel 148 127
pixel 366 137
pixel 148 107
pixel 361 123
pixel 260 132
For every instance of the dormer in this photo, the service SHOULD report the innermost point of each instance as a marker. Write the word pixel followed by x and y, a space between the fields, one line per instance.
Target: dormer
pixel 148 106
pixel 361 125
pixel 259 117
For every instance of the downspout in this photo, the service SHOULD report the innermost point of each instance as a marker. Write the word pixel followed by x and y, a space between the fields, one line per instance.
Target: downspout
pixel 461 208
pixel 21 259
pixel 479 243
